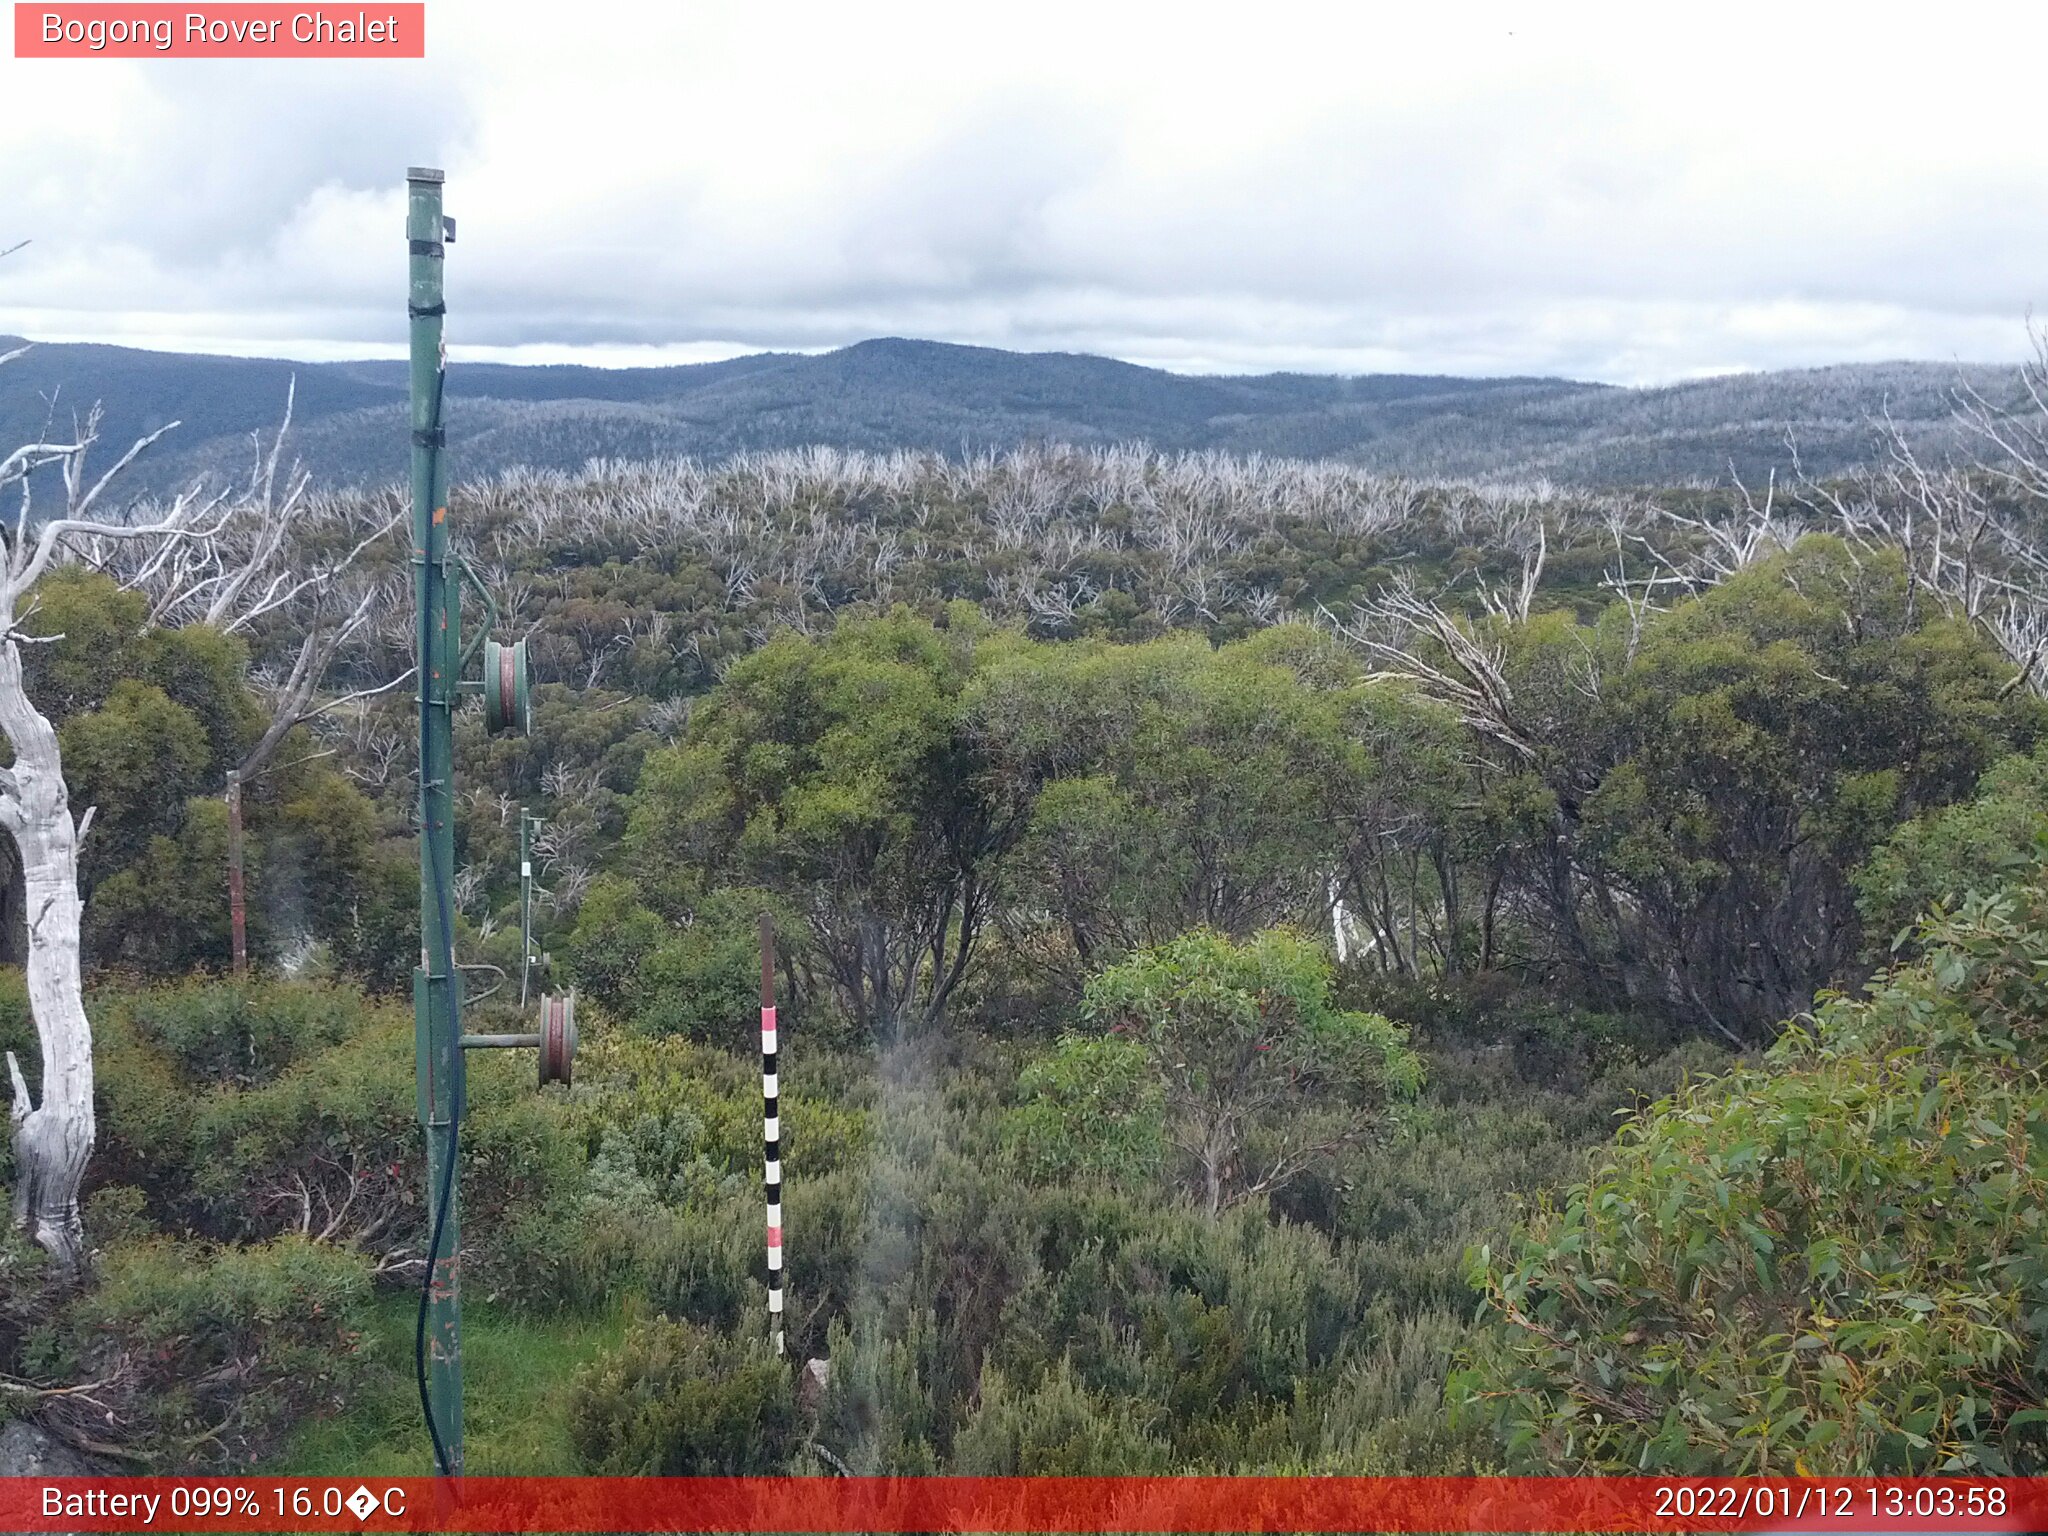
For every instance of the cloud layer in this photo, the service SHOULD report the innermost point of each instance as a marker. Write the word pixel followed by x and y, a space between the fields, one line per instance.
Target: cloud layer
pixel 1631 195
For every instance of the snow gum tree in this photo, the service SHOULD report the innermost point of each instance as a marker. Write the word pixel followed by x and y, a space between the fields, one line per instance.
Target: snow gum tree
pixel 53 1126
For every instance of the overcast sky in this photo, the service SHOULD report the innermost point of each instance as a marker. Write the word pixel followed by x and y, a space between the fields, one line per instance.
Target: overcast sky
pixel 1638 194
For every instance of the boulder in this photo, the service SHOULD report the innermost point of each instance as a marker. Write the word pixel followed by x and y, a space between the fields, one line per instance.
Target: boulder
pixel 29 1450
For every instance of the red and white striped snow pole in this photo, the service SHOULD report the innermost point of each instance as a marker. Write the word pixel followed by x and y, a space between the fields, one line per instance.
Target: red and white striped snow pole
pixel 771 1130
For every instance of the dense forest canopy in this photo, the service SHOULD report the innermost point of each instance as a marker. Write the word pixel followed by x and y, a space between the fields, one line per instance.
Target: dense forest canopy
pixel 1225 908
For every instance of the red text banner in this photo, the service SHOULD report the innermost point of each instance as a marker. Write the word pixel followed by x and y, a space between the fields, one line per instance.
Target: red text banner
pixel 220 31
pixel 1025 1504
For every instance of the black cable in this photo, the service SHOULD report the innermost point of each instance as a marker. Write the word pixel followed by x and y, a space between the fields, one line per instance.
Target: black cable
pixel 419 1356
pixel 444 903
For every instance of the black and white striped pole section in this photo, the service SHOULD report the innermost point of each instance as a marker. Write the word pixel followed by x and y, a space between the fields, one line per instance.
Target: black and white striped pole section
pixel 528 823
pixel 771 1130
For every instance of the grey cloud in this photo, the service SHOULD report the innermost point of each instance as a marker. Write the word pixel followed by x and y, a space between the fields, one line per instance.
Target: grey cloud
pixel 1631 218
pixel 214 159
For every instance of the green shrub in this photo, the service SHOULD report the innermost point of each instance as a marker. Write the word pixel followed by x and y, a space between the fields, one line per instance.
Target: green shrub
pixel 591 1260
pixel 876 1415
pixel 1090 1108
pixel 825 1222
pixel 117 1215
pixel 523 1169
pixel 677 1401
pixel 1260 1073
pixel 329 1149
pixel 676 1114
pixel 18 1025
pixel 1982 844
pixel 378 940
pixel 166 911
pixel 1536 1037
pixel 219 1352
pixel 144 1111
pixel 1056 1429
pixel 709 1266
pixel 1829 1262
pixel 612 943
pixel 243 1032
pixel 698 979
pixel 169 1061
pixel 1385 1415
pixel 327 1146
pixel 32 1293
pixel 1220 1324
pixel 18 1035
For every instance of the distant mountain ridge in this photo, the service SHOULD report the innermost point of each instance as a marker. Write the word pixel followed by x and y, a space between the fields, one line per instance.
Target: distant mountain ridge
pixel 893 393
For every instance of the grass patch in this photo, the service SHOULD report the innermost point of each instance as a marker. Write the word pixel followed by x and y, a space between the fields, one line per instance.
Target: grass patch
pixel 515 1372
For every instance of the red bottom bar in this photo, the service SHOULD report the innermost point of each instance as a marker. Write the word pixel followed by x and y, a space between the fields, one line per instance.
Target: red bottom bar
pixel 1025 1504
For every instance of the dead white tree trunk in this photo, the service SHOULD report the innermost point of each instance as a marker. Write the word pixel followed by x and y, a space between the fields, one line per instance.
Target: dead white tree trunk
pixel 52 1138
pixel 53 1130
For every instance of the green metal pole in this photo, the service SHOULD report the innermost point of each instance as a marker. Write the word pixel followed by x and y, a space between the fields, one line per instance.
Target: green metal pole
pixel 437 1002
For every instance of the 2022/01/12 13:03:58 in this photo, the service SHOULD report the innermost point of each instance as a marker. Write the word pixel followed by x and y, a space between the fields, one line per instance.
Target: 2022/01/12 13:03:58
pixel 1809 1505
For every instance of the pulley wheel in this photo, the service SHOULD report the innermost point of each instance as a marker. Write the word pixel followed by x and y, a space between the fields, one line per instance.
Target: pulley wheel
pixel 557 1036
pixel 508 705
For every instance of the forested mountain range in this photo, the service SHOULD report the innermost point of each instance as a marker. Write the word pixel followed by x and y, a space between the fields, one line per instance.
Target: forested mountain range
pixel 893 393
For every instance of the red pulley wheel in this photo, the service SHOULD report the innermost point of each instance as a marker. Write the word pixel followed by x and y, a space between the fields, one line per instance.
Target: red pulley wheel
pixel 557 1037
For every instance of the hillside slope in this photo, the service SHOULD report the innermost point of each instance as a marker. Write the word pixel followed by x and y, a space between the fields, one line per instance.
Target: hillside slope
pixel 894 393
